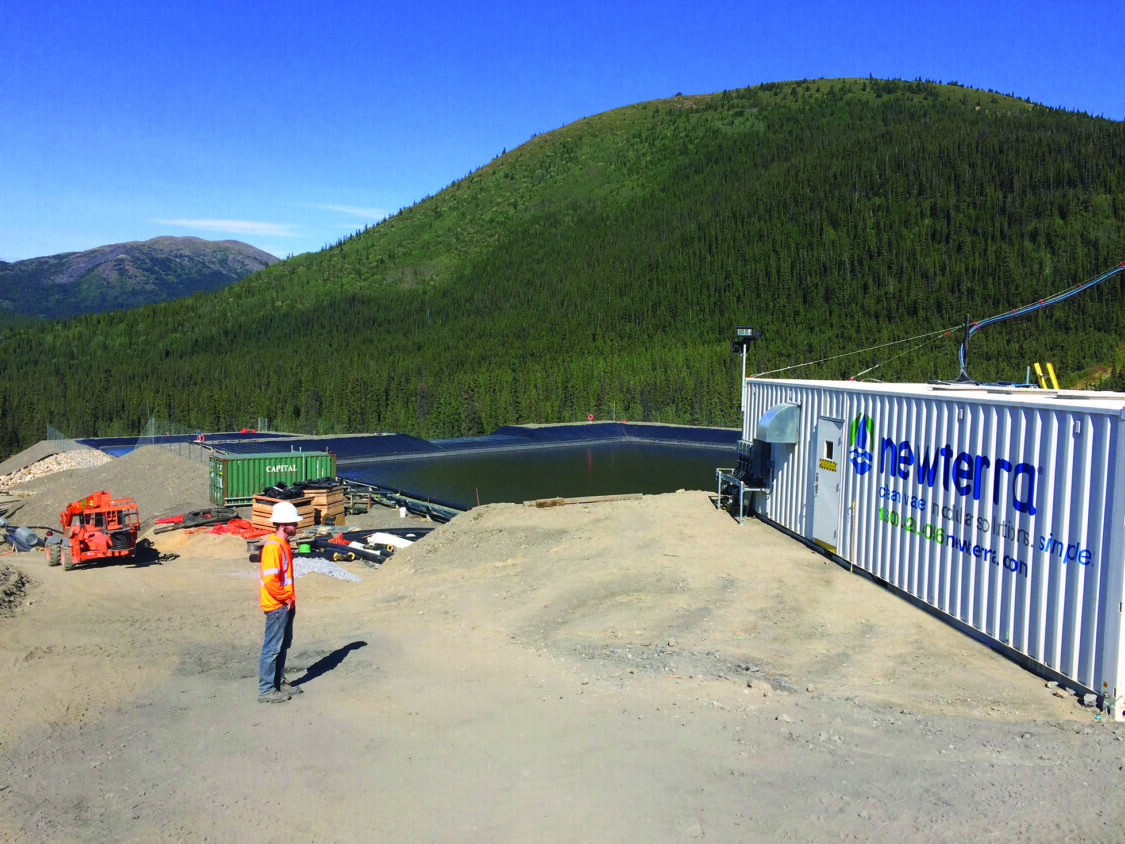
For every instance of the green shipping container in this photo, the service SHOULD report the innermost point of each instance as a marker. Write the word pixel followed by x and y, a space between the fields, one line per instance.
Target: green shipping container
pixel 237 478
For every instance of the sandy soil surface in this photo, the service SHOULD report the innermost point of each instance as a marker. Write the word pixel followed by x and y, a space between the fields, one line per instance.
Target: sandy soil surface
pixel 643 670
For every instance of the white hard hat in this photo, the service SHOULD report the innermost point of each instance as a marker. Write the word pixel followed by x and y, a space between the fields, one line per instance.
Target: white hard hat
pixel 284 513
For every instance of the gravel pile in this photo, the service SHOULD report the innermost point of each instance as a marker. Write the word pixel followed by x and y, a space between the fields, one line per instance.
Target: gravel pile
pixel 306 565
pixel 162 482
pixel 309 565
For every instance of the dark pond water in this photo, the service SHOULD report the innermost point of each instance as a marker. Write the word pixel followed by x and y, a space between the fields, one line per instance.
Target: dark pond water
pixel 552 472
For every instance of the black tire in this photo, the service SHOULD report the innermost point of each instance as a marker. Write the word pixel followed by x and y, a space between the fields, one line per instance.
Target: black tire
pixel 67 562
pixel 54 554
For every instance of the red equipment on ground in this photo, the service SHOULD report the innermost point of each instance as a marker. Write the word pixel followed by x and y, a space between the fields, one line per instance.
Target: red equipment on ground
pixel 97 526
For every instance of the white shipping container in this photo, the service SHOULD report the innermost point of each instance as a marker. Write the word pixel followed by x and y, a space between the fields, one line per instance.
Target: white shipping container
pixel 1002 508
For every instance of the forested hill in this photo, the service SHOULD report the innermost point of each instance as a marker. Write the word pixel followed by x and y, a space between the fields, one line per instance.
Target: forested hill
pixel 601 268
pixel 124 275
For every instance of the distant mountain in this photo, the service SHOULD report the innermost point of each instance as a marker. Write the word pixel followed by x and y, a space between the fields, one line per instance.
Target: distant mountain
pixel 124 275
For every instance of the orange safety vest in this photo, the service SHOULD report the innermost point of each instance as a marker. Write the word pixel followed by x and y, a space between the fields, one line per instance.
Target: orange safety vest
pixel 275 574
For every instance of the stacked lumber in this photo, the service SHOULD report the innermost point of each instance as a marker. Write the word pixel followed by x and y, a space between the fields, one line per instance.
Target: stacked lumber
pixel 263 509
pixel 329 505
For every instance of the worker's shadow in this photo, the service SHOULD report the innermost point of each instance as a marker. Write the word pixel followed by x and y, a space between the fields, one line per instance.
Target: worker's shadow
pixel 327 663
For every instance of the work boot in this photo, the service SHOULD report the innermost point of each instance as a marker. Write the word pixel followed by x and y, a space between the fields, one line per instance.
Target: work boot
pixel 286 686
pixel 274 696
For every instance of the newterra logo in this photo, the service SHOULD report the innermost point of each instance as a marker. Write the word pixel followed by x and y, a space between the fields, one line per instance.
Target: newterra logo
pixel 968 474
pixel 861 435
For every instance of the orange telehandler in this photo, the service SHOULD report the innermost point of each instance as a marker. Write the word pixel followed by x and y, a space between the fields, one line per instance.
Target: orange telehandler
pixel 96 527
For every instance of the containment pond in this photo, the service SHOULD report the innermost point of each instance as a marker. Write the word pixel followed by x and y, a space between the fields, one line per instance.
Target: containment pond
pixel 466 479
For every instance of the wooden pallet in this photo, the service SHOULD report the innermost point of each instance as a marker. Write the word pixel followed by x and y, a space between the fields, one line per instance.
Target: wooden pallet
pixel 329 505
pixel 263 508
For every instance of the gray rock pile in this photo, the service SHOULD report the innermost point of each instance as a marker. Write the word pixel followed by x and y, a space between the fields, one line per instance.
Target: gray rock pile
pixel 67 460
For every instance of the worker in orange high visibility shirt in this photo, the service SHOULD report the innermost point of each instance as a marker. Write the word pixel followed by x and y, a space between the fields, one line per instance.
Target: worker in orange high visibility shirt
pixel 275 576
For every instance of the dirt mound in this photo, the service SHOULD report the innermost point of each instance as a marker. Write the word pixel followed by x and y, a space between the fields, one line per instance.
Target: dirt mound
pixel 13 585
pixel 161 481
pixel 629 670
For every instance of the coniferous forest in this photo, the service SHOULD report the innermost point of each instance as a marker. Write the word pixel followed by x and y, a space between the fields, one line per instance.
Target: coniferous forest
pixel 601 269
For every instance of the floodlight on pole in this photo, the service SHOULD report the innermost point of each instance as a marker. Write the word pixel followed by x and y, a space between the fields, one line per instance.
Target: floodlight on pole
pixel 744 335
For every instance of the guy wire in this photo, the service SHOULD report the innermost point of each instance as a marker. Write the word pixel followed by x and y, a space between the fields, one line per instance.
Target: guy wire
pixel 895 357
pixel 927 335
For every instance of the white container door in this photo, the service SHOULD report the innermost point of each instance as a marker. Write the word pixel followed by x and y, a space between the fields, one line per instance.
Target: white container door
pixel 827 477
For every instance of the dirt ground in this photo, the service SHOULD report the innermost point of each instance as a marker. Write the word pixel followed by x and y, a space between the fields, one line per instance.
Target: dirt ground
pixel 640 670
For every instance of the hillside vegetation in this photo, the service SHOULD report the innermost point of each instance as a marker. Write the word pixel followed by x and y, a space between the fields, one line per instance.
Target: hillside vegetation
pixel 601 268
pixel 124 275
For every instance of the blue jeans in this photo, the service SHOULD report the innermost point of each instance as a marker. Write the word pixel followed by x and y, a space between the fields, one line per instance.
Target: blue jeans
pixel 279 636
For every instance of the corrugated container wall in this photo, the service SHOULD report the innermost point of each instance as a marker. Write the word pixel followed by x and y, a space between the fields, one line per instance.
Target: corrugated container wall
pixel 999 508
pixel 237 478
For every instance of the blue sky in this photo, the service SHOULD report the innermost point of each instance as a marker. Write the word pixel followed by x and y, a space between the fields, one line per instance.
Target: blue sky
pixel 288 125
